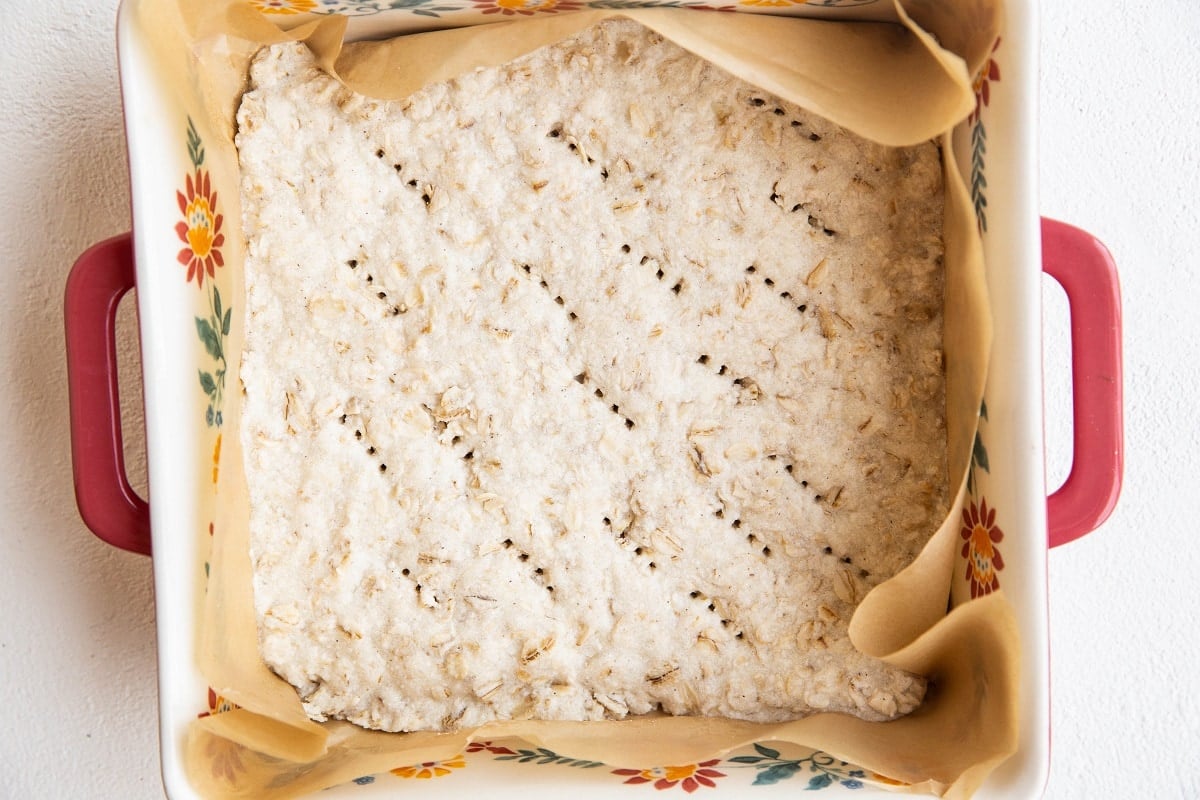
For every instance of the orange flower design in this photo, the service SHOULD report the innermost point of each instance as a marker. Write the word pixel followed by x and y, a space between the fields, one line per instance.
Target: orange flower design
pixel 201 229
pixel 431 769
pixel 990 71
pixel 526 7
pixel 688 777
pixel 283 6
pixel 216 459
pixel 216 703
pixel 980 536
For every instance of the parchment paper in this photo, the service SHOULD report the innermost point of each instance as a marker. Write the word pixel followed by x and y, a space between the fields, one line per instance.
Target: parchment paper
pixel 890 82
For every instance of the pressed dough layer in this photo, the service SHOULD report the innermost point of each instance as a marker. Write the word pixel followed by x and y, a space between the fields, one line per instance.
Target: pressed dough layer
pixel 596 383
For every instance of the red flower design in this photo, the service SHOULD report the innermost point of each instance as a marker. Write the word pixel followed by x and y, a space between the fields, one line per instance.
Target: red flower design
pixel 216 703
pixel 990 71
pixel 689 777
pixel 495 749
pixel 980 536
pixel 201 229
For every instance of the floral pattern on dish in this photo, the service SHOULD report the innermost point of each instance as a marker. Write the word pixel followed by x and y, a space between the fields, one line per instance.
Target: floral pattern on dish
pixel 824 769
pixel 979 531
pixel 284 7
pixel 436 8
pixel 989 72
pixel 980 536
pixel 216 704
pixel 539 755
pixel 767 765
pixel 200 230
pixel 688 777
pixel 213 331
pixel 525 7
pixel 430 769
pixel 488 746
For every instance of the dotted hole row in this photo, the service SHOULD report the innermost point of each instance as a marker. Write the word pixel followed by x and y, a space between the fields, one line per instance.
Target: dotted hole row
pixel 528 270
pixel 777 199
pixel 393 310
pixel 360 437
pixel 759 102
pixel 712 606
pixel 676 288
pixel 770 284
pixel 581 378
pixel 557 133
pixel 736 523
pixel 538 573
pixel 827 550
pixel 412 183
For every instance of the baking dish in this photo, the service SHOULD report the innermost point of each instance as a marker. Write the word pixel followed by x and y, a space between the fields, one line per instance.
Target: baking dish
pixel 182 338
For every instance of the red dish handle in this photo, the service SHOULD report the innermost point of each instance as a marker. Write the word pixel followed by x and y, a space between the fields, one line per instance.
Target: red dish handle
pixel 107 503
pixel 1084 268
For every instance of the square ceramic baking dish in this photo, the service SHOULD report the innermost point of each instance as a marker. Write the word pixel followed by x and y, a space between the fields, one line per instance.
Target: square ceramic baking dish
pixel 1007 525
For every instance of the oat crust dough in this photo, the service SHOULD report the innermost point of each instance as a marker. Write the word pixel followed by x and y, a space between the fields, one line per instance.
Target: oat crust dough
pixel 582 397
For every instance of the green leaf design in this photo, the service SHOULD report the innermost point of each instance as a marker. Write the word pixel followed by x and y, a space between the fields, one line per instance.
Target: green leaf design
pixel 543 755
pixel 212 342
pixel 979 139
pixel 979 453
pixel 978 181
pixel 216 301
pixel 208 384
pixel 981 214
pixel 226 321
pixel 766 751
pixel 819 781
pixel 776 773
pixel 194 145
pixel 745 759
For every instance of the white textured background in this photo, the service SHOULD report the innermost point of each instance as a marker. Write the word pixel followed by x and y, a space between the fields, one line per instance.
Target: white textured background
pixel 1119 137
